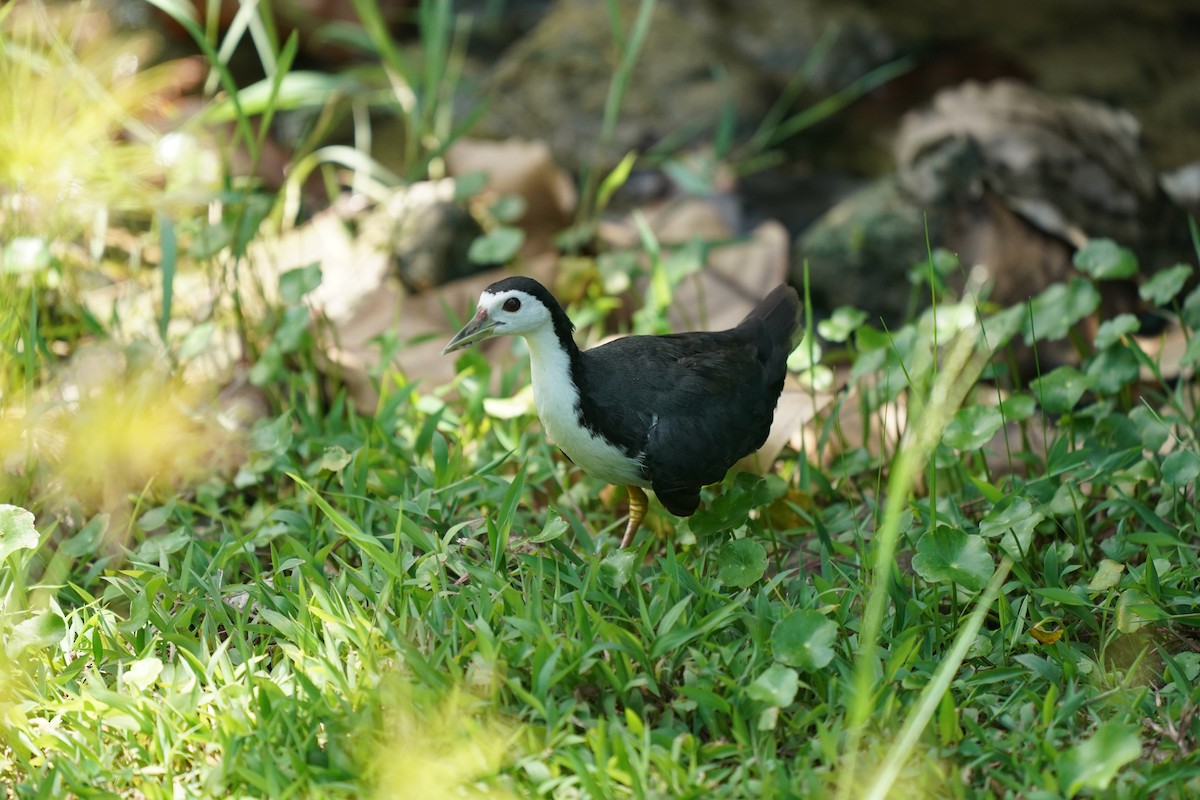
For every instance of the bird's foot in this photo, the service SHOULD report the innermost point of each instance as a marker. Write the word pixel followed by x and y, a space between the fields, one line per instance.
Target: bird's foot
pixel 638 503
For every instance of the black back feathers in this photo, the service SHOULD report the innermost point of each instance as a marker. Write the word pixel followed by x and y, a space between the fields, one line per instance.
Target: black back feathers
pixel 691 404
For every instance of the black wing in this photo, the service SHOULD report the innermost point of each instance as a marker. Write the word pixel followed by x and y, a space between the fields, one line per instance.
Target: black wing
pixel 691 404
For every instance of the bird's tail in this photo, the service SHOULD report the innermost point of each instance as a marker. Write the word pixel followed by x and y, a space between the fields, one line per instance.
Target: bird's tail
pixel 779 315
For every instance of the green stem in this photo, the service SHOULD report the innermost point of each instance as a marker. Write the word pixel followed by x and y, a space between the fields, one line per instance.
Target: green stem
pixel 951 386
pixel 932 694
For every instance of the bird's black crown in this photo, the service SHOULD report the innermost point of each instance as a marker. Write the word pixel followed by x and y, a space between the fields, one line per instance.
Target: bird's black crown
pixel 563 327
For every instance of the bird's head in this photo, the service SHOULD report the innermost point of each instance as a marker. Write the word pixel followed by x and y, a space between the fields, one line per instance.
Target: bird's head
pixel 512 307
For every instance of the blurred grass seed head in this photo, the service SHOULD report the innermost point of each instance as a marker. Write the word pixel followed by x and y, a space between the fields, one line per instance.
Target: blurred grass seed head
pixel 72 94
pixel 449 750
pixel 101 444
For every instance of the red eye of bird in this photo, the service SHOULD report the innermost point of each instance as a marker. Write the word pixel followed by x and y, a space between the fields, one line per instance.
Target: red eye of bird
pixel 512 304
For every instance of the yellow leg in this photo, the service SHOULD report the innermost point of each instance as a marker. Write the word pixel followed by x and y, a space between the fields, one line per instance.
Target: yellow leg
pixel 637 510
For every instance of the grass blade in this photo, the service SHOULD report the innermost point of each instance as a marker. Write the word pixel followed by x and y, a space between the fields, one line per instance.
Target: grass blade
pixel 170 255
pixel 933 692
pixel 962 365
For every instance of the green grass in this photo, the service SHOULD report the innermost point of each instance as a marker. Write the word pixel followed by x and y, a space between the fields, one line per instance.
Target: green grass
pixel 430 591
pixel 427 601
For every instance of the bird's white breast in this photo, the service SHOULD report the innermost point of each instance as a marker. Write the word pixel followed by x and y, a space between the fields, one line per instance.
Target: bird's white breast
pixel 557 400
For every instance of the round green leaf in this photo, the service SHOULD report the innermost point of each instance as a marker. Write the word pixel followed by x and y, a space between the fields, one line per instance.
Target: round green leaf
pixel 1013 514
pixel 1093 763
pixel 496 247
pixel 1082 299
pixel 469 184
pixel 768 718
pixel 1104 259
pixel 295 283
pixel 509 208
pixel 88 538
pixel 617 568
pixel 1015 543
pixel 334 458
pixel 1191 354
pixel 555 527
pixel 806 355
pixel 1165 285
pixel 1067 498
pixel 777 686
pixel 1180 467
pixel 1112 370
pixel 804 639
pixel 819 378
pixel 1018 407
pixel 16 530
pixel 972 427
pixel 868 339
pixel 941 264
pixel 741 563
pixel 1190 313
pixel 156 517
pixel 945 262
pixel 1135 611
pixel 730 510
pixel 1108 575
pixel 948 554
pixel 1112 330
pixel 142 673
pixel 1052 313
pixel 43 629
pixel 164 544
pixel 841 324
pixel 1003 325
pixel 1189 663
pixel 1058 391
pixel 1150 426
pixel 196 342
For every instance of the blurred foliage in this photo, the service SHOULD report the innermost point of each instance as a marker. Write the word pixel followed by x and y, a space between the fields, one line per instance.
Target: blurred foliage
pixel 426 601
pixel 75 149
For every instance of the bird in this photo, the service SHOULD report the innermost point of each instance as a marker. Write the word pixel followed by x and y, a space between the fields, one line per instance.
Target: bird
pixel 670 413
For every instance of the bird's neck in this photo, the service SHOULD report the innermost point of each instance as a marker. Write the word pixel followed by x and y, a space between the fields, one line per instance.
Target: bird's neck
pixel 551 359
pixel 554 366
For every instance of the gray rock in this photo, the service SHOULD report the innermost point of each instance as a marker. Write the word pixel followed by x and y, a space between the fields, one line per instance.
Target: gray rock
pixel 1071 167
pixel 1013 181
pixel 860 251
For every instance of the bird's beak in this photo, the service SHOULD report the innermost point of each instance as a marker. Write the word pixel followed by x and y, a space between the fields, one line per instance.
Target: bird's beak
pixel 479 328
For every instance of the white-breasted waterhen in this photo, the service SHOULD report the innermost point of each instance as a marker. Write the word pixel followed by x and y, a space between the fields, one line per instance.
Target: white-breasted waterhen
pixel 669 413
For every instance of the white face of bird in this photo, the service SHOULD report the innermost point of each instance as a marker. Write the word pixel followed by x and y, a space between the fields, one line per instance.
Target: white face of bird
pixel 508 313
